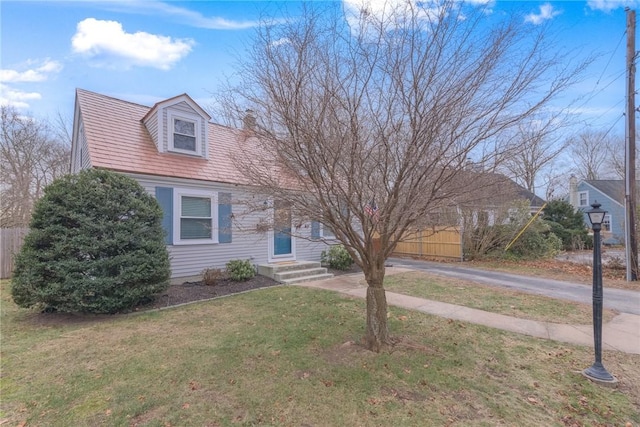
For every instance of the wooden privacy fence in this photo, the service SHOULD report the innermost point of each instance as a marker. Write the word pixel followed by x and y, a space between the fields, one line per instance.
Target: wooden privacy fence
pixel 438 243
pixel 10 243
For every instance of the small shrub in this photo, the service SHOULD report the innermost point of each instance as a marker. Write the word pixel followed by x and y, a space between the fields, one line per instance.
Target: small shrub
pixel 337 258
pixel 536 242
pixel 572 238
pixel 211 276
pixel 240 270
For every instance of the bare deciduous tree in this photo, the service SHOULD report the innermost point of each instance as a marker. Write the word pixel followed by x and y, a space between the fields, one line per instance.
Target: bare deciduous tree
pixel 534 147
pixel 365 120
pixel 616 158
pixel 590 152
pixel 31 158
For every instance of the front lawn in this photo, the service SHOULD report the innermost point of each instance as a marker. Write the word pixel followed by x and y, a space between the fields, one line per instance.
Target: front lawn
pixel 290 356
pixel 493 299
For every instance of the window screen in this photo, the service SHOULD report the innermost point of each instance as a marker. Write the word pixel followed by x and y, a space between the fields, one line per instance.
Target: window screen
pixel 195 218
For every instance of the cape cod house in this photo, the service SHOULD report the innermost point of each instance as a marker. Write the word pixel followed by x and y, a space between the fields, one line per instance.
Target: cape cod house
pixel 175 152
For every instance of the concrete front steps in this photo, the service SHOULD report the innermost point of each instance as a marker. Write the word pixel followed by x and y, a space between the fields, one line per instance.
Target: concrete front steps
pixel 294 271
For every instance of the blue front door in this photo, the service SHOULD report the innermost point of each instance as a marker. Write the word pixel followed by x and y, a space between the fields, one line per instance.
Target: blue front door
pixel 282 229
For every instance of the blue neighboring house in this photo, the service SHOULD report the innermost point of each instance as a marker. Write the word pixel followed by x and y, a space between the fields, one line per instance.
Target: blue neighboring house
pixel 610 193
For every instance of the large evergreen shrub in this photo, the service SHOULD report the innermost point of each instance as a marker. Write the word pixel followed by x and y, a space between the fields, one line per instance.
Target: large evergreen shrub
pixel 96 245
pixel 568 224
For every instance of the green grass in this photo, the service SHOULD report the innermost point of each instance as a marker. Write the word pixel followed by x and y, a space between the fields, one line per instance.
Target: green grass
pixel 289 356
pixel 492 299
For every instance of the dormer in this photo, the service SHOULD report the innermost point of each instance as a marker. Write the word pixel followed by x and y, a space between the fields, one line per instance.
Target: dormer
pixel 179 125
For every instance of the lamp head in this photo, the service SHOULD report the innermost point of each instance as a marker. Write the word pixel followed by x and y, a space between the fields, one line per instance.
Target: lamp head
pixel 596 215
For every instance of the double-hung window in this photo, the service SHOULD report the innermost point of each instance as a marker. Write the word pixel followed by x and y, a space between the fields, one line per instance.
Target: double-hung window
pixel 196 220
pixel 321 231
pixel 606 223
pixel 583 199
pixel 184 134
pixel 327 232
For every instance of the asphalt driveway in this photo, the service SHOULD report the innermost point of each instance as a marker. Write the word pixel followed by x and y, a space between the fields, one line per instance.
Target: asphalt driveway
pixel 623 301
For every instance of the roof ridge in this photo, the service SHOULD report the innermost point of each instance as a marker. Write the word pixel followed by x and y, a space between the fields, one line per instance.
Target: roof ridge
pixel 111 97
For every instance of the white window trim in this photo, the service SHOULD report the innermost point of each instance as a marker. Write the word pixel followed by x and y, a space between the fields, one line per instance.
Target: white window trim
pixel 178 193
pixel 322 234
pixel 580 193
pixel 193 118
pixel 606 219
pixel 491 218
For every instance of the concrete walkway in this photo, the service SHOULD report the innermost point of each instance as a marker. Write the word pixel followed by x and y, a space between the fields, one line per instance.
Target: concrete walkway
pixel 621 334
pixel 621 300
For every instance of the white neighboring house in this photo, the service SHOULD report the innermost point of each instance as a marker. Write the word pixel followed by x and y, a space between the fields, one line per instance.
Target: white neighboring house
pixel 186 162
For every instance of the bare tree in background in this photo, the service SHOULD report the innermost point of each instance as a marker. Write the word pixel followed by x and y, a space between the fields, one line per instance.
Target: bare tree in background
pixel 615 163
pixel 368 117
pixel 590 151
pixel 31 157
pixel 62 129
pixel 556 185
pixel 534 147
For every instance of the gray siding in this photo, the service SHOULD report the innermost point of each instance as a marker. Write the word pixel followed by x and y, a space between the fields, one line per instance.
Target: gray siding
pixel 81 159
pixel 152 127
pixel 164 143
pixel 247 243
pixel 310 250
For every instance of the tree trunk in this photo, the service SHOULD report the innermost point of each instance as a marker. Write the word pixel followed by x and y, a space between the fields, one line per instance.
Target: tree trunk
pixel 377 329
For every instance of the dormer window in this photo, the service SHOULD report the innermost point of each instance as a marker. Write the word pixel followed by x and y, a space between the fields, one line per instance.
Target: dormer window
pixel 184 134
pixel 179 125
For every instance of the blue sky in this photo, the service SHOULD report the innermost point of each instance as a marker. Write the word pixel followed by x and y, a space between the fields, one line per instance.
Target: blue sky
pixel 146 50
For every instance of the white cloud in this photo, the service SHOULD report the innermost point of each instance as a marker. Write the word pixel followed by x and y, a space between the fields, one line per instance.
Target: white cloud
pixel 280 42
pixel 30 72
pixel 37 74
pixel 16 98
pixel 361 13
pixel 547 11
pixel 177 13
pixel 609 5
pixel 107 44
pixel 358 11
pixel 375 8
pixel 196 19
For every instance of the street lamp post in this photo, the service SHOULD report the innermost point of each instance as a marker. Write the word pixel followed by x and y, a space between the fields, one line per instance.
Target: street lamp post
pixel 597 371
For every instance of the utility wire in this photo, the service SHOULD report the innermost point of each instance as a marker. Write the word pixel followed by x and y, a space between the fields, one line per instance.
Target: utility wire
pixel 611 57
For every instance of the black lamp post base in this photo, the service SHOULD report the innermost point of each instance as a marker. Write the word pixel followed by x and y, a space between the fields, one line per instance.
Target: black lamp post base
pixel 599 374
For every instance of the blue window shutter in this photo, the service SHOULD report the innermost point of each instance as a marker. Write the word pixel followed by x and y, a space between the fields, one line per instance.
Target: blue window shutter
pixel 224 218
pixel 315 230
pixel 164 195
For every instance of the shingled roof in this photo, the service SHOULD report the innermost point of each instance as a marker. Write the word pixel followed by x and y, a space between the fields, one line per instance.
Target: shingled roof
pixel 614 188
pixel 118 140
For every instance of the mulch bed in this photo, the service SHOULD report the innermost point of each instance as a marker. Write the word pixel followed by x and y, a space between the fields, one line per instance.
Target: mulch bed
pixel 196 291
